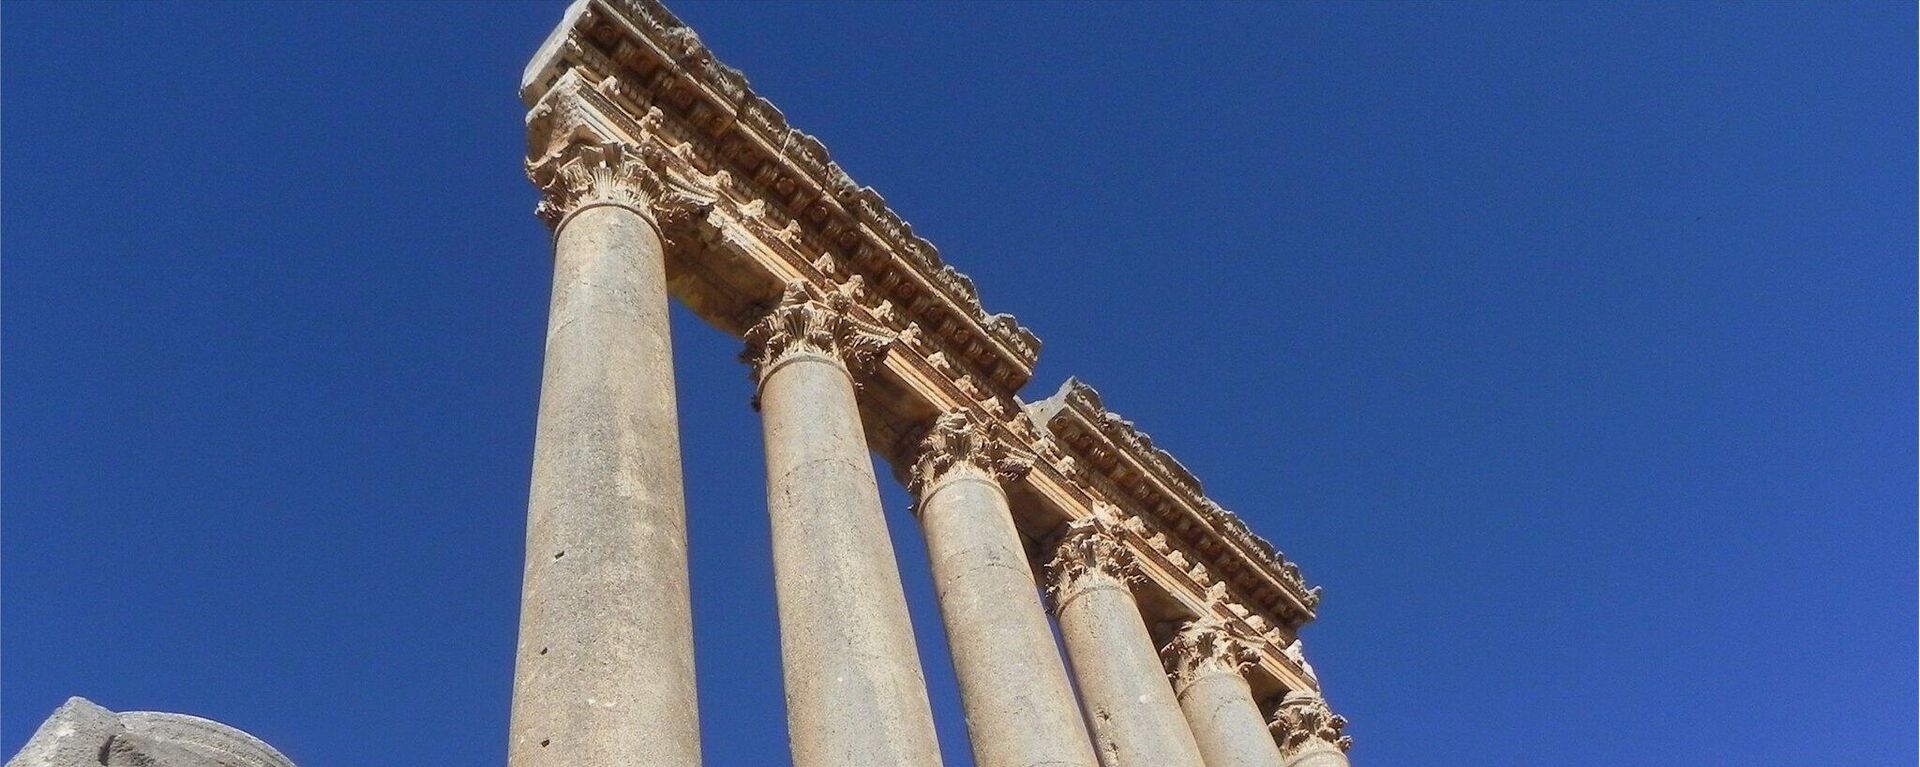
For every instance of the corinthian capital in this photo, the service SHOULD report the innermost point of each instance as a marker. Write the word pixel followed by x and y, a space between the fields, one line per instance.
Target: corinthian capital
pixel 585 172
pixel 802 324
pixel 1090 550
pixel 1207 645
pixel 958 439
pixel 1303 722
pixel 576 164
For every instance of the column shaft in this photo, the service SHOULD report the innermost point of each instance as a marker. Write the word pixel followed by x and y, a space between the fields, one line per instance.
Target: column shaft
pixel 1130 706
pixel 855 694
pixel 1013 683
pixel 603 674
pixel 1226 722
pixel 1207 661
pixel 1320 756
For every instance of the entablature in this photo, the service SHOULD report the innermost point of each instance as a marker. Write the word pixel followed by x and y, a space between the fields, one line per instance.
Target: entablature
pixel 634 53
pixel 757 206
pixel 1123 460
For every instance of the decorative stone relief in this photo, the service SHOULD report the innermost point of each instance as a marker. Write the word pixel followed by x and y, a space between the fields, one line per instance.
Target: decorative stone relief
pixel 1107 442
pixel 1206 645
pixel 1303 721
pixel 800 323
pixel 582 173
pixel 1090 548
pixel 640 56
pixel 633 110
pixel 571 158
pixel 959 439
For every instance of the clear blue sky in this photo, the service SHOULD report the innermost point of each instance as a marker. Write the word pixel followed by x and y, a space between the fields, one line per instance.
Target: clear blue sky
pixel 1571 346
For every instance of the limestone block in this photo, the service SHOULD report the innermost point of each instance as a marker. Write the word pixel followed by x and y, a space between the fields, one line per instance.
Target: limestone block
pixel 83 734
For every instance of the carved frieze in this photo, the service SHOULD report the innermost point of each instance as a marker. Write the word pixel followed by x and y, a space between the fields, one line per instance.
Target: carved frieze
pixel 577 160
pixel 641 56
pixel 629 108
pixel 1125 459
pixel 1298 654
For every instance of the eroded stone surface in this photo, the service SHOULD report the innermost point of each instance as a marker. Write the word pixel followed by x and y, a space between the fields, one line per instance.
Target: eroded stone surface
pixel 603 670
pixel 1207 661
pixel 859 334
pixel 855 692
pixel 1309 734
pixel 1130 707
pixel 1019 706
pixel 81 733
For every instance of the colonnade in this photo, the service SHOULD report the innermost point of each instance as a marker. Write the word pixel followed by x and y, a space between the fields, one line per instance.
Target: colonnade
pixel 605 669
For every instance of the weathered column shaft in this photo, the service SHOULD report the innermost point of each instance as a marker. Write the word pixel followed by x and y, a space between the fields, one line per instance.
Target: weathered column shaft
pixel 1206 662
pixel 1308 733
pixel 1019 705
pixel 603 673
pixel 1130 706
pixel 855 694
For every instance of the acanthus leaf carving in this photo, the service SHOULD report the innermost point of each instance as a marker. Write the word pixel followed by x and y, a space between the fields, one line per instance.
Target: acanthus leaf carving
pixel 657 61
pixel 576 164
pixel 1182 490
pixel 1303 721
pixel 801 323
pixel 1206 645
pixel 959 439
pixel 1090 548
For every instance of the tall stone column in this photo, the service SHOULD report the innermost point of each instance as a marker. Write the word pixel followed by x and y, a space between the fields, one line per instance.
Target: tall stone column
pixel 1308 733
pixel 1207 661
pixel 603 674
pixel 855 694
pixel 1130 706
pixel 1013 684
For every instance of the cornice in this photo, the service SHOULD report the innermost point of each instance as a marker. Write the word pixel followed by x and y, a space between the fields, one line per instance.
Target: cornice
pixel 757 207
pixel 1126 459
pixel 637 52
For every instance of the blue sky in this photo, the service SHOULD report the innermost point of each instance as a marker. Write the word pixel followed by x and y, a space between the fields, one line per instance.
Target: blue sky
pixel 1571 346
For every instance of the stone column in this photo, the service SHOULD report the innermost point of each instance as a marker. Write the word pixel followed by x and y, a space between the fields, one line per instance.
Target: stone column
pixel 603 674
pixel 855 695
pixel 1308 733
pixel 1130 707
pixel 1207 661
pixel 1013 684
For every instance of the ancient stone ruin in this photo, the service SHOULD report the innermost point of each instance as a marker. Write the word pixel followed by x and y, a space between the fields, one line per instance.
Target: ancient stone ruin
pixel 664 176
pixel 82 734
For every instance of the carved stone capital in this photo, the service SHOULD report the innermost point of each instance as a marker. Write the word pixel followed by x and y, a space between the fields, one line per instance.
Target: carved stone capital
pixel 1090 550
pixel 802 324
pixel 578 174
pixel 584 173
pixel 1207 645
pixel 576 165
pixel 958 439
pixel 1302 722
